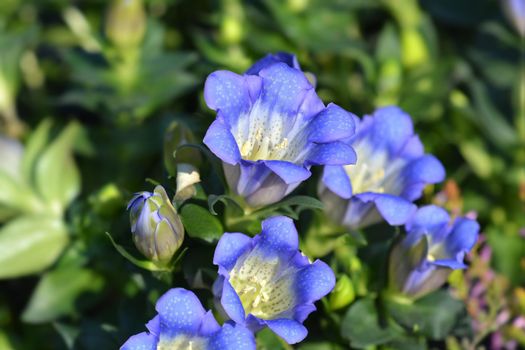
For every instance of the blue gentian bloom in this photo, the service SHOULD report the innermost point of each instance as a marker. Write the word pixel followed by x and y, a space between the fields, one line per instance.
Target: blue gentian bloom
pixel 434 245
pixel 182 323
pixel 266 281
pixel 391 172
pixel 271 127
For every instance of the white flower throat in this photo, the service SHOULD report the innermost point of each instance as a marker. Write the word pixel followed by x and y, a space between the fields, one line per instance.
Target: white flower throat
pixel 262 134
pixel 264 290
pixel 374 172
pixel 183 342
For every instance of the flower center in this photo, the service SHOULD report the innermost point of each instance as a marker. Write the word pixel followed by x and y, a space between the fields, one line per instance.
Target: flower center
pixel 374 172
pixel 182 342
pixel 263 134
pixel 264 290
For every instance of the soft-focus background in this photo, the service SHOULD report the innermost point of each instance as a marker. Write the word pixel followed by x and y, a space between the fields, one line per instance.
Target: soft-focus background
pixel 96 91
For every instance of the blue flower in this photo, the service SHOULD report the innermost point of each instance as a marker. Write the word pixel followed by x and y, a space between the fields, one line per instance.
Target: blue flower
pixel 271 127
pixel 182 323
pixel 266 281
pixel 390 173
pixel 156 227
pixel 433 246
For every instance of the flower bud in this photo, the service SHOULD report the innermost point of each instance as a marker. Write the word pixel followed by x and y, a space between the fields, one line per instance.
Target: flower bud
pixel 156 227
pixel 343 293
pixel 126 23
pixel 187 177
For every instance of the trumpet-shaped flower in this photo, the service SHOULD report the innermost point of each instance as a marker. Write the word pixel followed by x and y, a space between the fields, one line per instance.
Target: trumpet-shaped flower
pixel 433 246
pixel 391 172
pixel 266 281
pixel 271 127
pixel 182 323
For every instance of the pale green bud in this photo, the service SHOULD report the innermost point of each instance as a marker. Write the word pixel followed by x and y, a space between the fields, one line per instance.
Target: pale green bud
pixel 157 229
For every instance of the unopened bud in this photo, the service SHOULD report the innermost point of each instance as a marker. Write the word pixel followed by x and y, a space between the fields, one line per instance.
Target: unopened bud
pixel 126 23
pixel 156 227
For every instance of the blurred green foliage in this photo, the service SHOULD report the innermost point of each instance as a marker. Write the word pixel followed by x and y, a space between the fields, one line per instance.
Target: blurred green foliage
pixel 102 93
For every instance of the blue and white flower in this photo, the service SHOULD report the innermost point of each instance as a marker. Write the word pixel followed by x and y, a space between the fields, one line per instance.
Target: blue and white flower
pixel 391 172
pixel 182 323
pixel 266 281
pixel 433 246
pixel 271 127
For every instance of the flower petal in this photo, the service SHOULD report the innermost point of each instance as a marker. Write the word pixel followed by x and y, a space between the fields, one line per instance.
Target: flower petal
pixel 290 330
pixel 337 181
pixel 462 238
pixel 231 303
pixel 333 153
pixel 180 311
pixel 391 129
pixel 230 247
pixel 221 142
pixel 284 89
pixel 314 282
pixel 232 337
pixel 289 172
pixel 395 210
pixel 228 93
pixel 141 341
pixel 332 124
pixel 279 235
pixel 429 219
pixel 269 59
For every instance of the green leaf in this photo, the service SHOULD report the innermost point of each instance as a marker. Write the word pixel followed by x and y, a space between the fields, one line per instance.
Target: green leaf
pixel 225 199
pixel 57 176
pixel 268 340
pixel 361 326
pixel 200 223
pixel 433 316
pixel 34 147
pixel 143 264
pixel 302 203
pixel 58 293
pixel 16 195
pixel 30 244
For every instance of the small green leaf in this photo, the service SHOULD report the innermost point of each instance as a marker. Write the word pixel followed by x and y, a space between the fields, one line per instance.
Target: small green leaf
pixel 302 202
pixel 433 316
pixel 30 244
pixel 57 176
pixel 268 340
pixel 34 147
pixel 200 223
pixel 226 200
pixel 58 293
pixel 361 326
pixel 143 264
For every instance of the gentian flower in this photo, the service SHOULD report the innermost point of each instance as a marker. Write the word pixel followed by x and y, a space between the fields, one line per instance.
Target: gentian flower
pixel 390 173
pixel 156 227
pixel 266 281
pixel 182 323
pixel 271 127
pixel 433 246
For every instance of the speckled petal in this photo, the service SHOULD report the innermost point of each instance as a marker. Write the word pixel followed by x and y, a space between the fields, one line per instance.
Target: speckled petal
pixel 232 337
pixel 290 330
pixel 180 311
pixel 141 341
